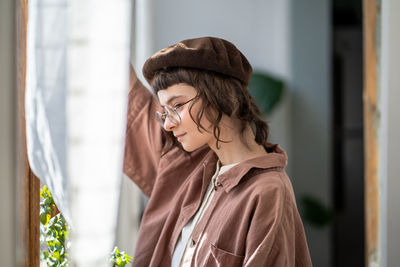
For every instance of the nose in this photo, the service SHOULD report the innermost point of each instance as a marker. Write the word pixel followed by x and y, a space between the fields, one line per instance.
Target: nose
pixel 168 124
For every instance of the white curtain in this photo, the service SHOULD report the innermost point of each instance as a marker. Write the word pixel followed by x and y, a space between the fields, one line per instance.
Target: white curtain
pixel 77 82
pixel 45 102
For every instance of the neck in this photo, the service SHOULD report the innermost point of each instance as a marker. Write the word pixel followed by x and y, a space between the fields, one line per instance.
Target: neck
pixel 235 150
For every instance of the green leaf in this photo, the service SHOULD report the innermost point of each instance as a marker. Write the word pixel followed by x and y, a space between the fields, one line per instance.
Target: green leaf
pixel 266 90
pixel 315 212
pixel 120 258
pixel 57 254
pixel 48 201
pixel 53 231
pixel 45 218
pixel 46 254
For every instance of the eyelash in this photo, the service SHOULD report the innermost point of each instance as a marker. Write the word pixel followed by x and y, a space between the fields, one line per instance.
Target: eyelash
pixel 177 106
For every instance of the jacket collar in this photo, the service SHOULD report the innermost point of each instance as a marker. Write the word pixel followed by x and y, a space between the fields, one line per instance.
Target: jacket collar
pixel 276 158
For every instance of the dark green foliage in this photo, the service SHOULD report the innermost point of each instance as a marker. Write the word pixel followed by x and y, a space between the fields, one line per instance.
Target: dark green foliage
pixel 266 90
pixel 315 212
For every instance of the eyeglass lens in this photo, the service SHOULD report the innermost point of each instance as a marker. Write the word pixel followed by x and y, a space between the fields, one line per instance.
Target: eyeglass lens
pixel 172 115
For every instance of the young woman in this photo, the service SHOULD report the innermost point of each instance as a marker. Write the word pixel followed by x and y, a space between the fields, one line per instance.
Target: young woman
pixel 218 192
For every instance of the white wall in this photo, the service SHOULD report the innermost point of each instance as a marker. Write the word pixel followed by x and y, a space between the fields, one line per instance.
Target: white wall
pixel 388 133
pixel 310 117
pixel 7 134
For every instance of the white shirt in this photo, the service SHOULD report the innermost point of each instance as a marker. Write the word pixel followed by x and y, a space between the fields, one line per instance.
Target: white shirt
pixel 180 253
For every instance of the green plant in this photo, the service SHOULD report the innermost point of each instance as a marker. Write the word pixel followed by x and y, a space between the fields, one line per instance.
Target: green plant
pixel 54 236
pixel 120 259
pixel 54 232
pixel 266 90
pixel 315 212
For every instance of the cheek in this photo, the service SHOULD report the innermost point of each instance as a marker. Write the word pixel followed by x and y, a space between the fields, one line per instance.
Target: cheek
pixel 187 122
pixel 196 138
pixel 192 119
pixel 185 116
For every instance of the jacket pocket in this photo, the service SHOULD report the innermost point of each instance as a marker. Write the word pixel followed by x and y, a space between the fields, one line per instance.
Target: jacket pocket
pixel 221 258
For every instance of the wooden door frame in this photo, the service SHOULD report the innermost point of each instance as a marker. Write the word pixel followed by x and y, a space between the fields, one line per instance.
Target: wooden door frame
pixel 27 185
pixel 370 99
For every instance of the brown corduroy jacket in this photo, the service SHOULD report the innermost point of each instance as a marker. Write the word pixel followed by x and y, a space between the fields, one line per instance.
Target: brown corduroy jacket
pixel 252 219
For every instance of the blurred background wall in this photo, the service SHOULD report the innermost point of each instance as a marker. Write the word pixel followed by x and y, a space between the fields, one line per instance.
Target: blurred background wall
pixel 310 118
pixel 389 132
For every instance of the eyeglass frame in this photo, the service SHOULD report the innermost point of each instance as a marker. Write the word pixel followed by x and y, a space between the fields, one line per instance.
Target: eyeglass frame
pixel 161 117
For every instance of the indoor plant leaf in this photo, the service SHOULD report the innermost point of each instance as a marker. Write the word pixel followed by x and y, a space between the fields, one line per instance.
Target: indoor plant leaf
pixel 266 90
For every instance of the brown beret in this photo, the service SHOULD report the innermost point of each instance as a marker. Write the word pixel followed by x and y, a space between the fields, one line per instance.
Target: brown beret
pixel 206 53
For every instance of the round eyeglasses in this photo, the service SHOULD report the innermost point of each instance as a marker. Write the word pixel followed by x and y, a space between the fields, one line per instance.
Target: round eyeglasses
pixel 171 113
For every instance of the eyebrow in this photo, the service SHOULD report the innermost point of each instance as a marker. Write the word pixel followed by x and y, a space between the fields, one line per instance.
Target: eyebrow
pixel 172 98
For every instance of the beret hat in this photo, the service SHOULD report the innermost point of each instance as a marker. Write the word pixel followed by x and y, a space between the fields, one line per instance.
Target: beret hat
pixel 205 53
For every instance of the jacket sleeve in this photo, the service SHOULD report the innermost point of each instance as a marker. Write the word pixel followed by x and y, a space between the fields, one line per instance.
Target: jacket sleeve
pixel 276 235
pixel 143 141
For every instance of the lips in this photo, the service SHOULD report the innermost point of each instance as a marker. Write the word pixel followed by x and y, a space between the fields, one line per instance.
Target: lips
pixel 179 136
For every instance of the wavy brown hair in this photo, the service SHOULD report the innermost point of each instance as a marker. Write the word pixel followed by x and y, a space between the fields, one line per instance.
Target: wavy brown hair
pixel 220 94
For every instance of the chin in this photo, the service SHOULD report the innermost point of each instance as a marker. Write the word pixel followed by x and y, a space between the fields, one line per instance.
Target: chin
pixel 190 147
